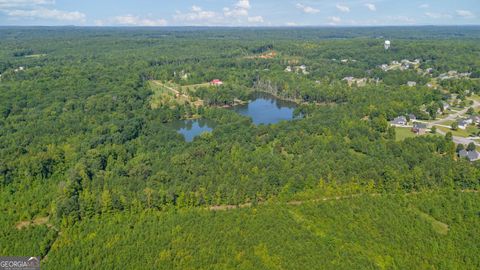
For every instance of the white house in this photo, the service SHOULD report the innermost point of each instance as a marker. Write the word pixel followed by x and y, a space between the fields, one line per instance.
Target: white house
pixel 412 84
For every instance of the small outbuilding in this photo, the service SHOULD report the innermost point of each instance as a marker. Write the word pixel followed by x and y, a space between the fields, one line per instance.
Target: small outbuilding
pixel 216 82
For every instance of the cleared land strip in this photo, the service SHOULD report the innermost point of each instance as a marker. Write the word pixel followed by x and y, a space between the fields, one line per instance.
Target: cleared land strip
pixel 300 202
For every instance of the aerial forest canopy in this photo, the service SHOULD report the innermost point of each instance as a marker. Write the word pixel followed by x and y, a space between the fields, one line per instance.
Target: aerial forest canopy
pixel 88 155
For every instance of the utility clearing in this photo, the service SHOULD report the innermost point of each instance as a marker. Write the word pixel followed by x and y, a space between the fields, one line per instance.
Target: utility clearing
pixel 438 226
pixel 36 222
pixel 173 94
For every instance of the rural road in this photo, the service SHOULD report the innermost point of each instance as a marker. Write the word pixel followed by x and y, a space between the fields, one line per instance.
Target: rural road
pixel 301 202
pixel 175 91
pixel 453 117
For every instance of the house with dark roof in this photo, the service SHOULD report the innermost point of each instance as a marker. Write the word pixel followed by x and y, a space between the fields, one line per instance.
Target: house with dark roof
pixel 400 121
pixel 475 119
pixel 470 155
pixel 445 105
pixel 419 128
pixel 463 124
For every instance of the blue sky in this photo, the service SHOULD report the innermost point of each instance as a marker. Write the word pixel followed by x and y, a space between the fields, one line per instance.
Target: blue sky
pixel 239 12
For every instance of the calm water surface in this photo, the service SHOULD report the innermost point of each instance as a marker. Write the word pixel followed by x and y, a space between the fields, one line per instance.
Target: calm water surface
pixel 193 128
pixel 266 109
pixel 263 109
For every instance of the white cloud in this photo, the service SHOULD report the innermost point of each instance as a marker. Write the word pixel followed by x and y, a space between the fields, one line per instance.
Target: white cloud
pixel 240 9
pixel 343 8
pixel 400 19
pixel 243 4
pixel 307 9
pixel 131 20
pixel 44 13
pixel 434 15
pixel 465 14
pixel 334 20
pixel 24 3
pixel 291 24
pixel 195 14
pixel 424 6
pixel 35 9
pixel 255 19
pixel 371 6
pixel 236 14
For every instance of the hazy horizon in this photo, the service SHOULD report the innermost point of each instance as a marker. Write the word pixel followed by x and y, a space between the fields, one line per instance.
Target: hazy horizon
pixel 239 13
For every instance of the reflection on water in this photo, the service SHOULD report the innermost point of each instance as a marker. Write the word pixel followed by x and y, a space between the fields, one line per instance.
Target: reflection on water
pixel 192 128
pixel 267 109
pixel 263 109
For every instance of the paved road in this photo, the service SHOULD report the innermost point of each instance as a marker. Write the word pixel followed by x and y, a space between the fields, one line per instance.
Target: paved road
pixel 453 117
pixel 456 115
pixel 460 140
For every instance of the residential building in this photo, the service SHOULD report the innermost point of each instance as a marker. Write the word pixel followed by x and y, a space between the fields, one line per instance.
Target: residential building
pixel 470 155
pixel 445 105
pixel 419 128
pixel 400 121
pixel 462 124
pixel 216 82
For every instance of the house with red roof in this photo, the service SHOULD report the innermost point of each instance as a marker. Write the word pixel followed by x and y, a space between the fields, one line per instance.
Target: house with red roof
pixel 216 82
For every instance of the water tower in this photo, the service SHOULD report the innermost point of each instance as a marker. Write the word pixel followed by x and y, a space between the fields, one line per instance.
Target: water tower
pixel 387 44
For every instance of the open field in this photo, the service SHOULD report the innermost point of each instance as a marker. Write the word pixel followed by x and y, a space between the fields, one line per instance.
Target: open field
pixel 265 55
pixel 173 94
pixel 193 87
pixel 35 55
pixel 401 133
pixel 460 132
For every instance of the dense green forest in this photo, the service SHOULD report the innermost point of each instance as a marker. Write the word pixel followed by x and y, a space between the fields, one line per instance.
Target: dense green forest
pixel 92 175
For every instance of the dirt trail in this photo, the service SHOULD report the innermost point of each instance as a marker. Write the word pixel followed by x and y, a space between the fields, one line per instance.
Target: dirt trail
pixel 300 202
pixel 175 91
pixel 36 222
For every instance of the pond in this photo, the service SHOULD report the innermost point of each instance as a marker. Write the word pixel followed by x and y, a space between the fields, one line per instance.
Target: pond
pixel 267 109
pixel 193 128
pixel 263 109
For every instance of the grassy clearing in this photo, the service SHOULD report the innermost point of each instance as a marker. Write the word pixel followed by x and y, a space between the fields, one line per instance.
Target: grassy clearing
pixel 438 226
pixel 161 95
pixel 402 133
pixel 448 123
pixel 265 55
pixel 172 94
pixel 474 97
pixel 35 55
pixel 36 222
pixel 193 87
pixel 460 132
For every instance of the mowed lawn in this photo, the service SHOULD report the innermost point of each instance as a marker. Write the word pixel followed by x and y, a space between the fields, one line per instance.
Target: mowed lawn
pixel 461 132
pixel 194 87
pixel 401 133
